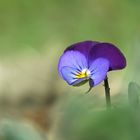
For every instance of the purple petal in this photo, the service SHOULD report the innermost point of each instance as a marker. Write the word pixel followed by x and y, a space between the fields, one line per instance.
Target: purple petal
pixel 68 74
pixel 110 52
pixel 83 47
pixel 73 59
pixel 98 69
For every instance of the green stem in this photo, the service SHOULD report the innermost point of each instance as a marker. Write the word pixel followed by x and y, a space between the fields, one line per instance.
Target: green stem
pixel 107 93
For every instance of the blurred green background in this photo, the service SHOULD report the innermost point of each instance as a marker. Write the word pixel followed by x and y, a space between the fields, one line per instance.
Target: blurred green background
pixel 33 35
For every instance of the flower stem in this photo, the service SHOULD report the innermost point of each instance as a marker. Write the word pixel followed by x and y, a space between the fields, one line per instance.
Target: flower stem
pixel 107 93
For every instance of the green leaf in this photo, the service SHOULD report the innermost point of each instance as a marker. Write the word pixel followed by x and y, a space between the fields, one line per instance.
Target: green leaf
pixel 133 94
pixel 18 130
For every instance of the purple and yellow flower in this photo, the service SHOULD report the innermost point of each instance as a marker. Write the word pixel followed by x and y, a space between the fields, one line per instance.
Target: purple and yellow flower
pixel 89 61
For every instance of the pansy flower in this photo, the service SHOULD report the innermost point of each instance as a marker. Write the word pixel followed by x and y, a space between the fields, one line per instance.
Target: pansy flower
pixel 89 61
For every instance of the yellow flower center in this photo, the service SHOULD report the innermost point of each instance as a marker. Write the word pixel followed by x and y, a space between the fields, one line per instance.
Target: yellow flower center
pixel 83 74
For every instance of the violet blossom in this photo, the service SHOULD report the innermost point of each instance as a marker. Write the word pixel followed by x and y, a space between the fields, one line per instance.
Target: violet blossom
pixel 89 61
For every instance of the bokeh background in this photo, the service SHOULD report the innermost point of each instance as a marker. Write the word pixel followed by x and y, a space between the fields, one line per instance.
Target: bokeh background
pixel 33 34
